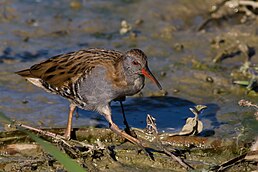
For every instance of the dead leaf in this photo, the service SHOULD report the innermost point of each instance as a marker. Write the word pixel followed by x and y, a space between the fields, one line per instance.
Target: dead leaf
pixel 193 125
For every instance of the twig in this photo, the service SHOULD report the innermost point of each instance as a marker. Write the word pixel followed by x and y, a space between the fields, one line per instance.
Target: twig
pixel 248 3
pixel 229 8
pixel 54 136
pixel 247 104
pixel 231 162
pixel 152 128
pixel 179 160
pixel 46 133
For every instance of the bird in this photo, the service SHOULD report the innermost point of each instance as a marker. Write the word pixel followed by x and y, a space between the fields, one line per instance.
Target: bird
pixel 91 79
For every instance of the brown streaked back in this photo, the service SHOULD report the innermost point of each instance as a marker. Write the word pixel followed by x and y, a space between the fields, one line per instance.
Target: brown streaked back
pixel 62 69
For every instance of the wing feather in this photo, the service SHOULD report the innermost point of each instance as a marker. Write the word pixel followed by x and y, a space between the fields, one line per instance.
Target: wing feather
pixel 63 70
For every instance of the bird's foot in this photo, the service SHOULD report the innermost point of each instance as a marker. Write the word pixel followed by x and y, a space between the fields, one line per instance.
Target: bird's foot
pixel 134 140
pixel 130 132
pixel 67 136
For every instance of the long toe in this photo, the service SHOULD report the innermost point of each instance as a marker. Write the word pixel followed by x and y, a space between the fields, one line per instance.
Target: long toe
pixel 130 132
pixel 67 135
pixel 122 133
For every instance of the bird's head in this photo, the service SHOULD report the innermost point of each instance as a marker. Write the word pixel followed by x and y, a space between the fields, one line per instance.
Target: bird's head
pixel 135 62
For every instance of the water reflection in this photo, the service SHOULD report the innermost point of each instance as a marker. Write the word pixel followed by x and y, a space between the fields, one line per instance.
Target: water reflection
pixel 170 112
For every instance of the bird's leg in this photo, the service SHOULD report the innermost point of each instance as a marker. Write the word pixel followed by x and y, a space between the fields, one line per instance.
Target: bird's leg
pixel 127 127
pixel 77 113
pixel 68 130
pixel 107 114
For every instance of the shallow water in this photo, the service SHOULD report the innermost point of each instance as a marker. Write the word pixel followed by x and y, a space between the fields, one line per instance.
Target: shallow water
pixel 31 31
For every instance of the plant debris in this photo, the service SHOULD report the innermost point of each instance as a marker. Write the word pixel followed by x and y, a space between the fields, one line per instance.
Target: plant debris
pixel 231 8
pixel 193 126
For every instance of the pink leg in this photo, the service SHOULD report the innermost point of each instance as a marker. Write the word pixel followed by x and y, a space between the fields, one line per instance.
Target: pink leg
pixel 107 114
pixel 67 134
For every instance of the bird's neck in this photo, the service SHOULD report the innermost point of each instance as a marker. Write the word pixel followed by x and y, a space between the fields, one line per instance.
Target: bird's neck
pixel 135 82
pixel 128 76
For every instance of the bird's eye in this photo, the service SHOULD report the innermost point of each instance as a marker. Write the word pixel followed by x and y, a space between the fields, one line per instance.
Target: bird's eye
pixel 135 63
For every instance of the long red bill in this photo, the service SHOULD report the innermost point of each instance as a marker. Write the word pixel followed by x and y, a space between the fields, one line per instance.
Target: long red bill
pixel 146 72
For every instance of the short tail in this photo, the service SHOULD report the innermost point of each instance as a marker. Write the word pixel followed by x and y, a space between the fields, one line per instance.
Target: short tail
pixel 27 74
pixel 24 73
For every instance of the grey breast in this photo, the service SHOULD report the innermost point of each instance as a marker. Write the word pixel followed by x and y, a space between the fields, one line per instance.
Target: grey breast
pixel 96 89
pixel 135 84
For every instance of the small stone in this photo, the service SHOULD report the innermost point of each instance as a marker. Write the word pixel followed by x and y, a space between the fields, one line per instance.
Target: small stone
pixel 31 21
pixel 25 101
pixel 176 91
pixel 179 47
pixel 125 27
pixel 26 39
pixel 209 79
pixel 22 146
pixel 163 73
pixel 139 22
pixel 218 91
pixel 133 35
pixel 25 149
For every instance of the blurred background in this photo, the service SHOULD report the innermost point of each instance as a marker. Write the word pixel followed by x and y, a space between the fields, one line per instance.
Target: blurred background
pixel 196 49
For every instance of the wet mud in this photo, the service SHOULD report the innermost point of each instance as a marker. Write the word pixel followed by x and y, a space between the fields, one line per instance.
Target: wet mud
pixel 193 66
